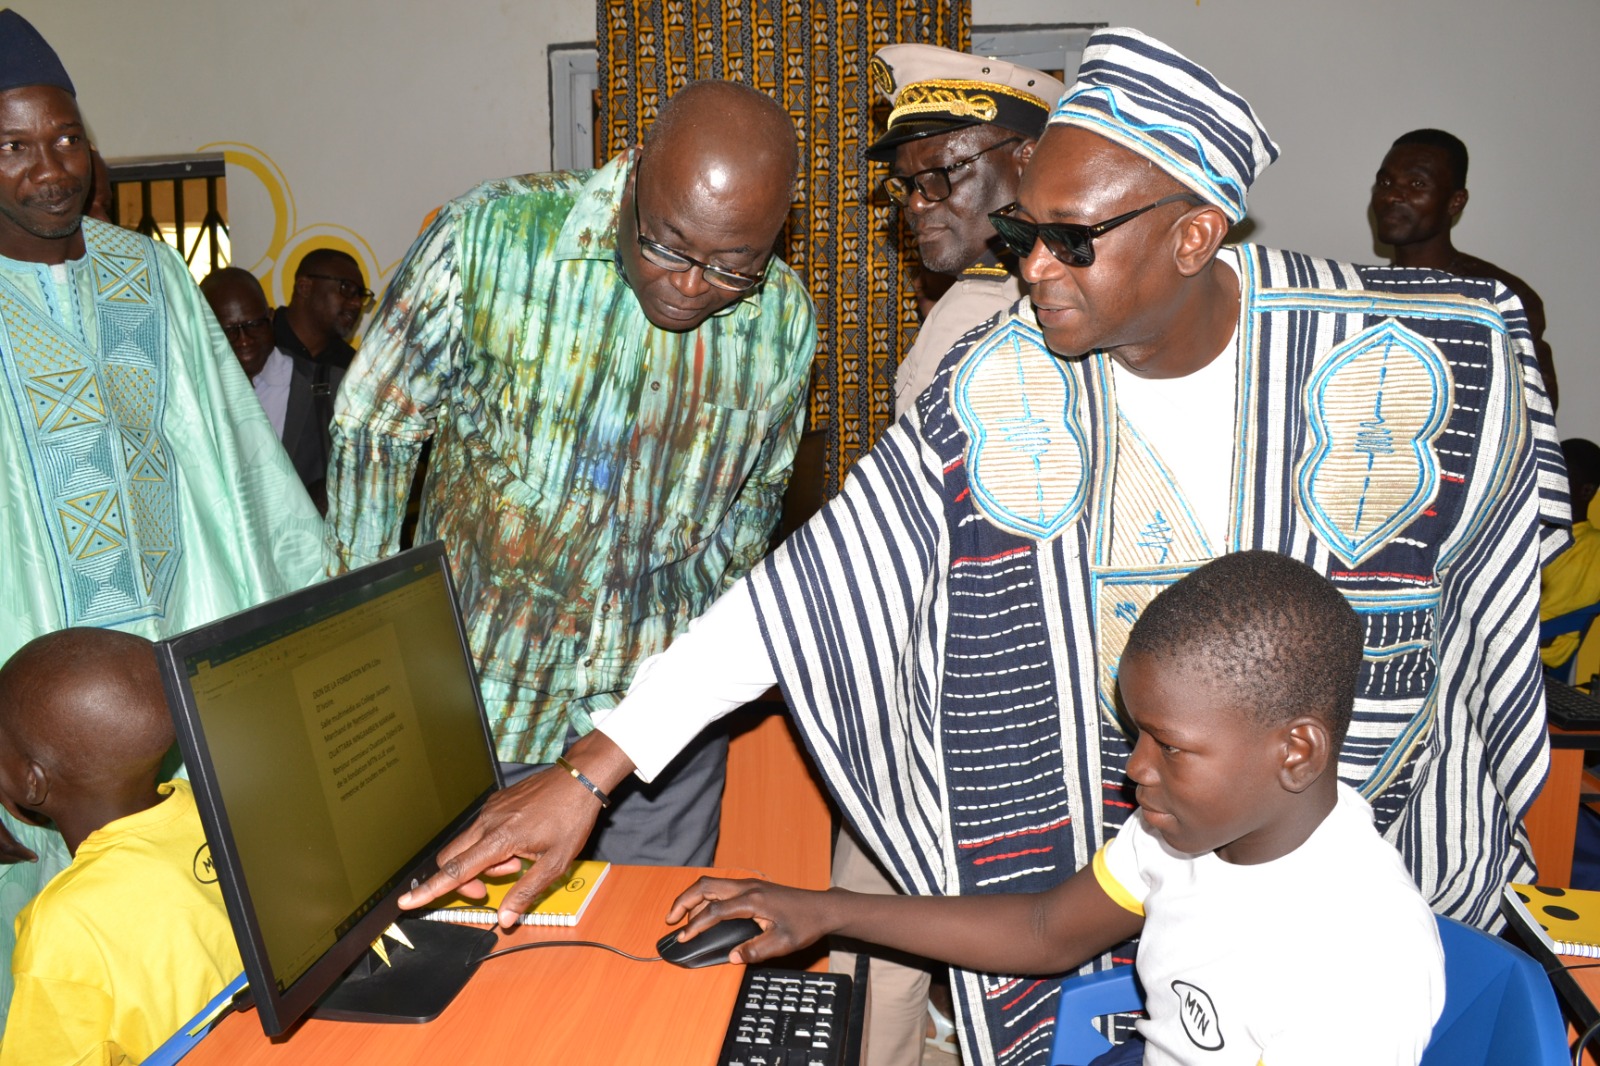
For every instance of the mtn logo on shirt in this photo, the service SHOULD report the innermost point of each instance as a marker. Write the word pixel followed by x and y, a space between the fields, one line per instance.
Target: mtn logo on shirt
pixel 1199 1016
pixel 204 871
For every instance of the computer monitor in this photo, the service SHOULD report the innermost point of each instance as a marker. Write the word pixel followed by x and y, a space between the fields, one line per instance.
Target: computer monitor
pixel 335 739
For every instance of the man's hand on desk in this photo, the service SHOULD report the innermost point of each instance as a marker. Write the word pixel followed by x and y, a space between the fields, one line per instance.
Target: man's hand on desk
pixel 544 818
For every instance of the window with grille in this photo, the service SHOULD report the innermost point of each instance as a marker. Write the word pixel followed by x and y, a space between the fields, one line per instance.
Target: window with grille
pixel 181 201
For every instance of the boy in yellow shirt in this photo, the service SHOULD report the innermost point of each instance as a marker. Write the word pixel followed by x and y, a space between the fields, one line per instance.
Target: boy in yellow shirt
pixel 130 940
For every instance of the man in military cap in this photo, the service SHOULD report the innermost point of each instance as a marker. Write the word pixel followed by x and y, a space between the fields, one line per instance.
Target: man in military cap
pixel 142 488
pixel 960 131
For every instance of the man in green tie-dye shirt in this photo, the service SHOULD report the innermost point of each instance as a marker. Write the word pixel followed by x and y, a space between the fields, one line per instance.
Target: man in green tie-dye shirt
pixel 612 369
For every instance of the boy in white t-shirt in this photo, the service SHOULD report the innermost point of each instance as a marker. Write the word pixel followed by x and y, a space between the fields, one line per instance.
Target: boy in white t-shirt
pixel 1277 926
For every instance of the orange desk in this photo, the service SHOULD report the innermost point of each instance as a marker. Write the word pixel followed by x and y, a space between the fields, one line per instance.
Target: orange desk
pixel 1552 821
pixel 1576 981
pixel 549 1006
pixel 1586 980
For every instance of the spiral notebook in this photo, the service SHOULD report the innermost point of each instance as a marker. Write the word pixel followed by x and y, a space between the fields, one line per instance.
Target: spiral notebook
pixel 1566 920
pixel 563 903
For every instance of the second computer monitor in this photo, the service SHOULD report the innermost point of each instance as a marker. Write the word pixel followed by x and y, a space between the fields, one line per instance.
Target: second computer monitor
pixel 335 739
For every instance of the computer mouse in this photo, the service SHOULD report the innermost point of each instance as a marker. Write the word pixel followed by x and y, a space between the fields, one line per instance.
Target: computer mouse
pixel 710 947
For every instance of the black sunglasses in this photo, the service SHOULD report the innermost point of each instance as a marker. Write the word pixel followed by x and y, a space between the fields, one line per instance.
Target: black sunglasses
pixel 933 183
pixel 1069 242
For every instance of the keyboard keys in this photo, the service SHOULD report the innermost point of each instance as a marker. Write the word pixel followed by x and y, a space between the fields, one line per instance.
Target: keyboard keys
pixel 788 1018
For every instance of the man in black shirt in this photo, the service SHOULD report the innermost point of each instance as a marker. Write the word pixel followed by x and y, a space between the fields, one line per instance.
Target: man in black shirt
pixel 324 308
pixel 1419 192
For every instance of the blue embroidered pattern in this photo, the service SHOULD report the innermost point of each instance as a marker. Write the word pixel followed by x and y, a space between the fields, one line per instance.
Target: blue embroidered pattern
pixel 92 428
pixel 1120 595
pixel 1156 535
pixel 1027 448
pixel 1374 407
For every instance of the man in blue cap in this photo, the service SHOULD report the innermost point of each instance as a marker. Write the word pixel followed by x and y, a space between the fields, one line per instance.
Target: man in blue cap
pixel 947 630
pixel 143 488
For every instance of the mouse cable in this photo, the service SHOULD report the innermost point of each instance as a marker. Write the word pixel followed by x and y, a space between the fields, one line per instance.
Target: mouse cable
pixel 1577 1049
pixel 568 944
pixel 1551 971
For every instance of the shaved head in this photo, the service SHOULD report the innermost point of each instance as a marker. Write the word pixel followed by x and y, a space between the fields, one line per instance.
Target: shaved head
pixel 87 706
pixel 231 280
pixel 322 260
pixel 239 303
pixel 734 137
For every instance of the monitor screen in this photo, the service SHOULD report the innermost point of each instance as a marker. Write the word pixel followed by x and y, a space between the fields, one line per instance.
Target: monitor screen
pixel 335 738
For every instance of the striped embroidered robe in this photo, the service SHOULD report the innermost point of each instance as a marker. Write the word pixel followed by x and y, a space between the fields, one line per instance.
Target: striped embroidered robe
pixel 947 629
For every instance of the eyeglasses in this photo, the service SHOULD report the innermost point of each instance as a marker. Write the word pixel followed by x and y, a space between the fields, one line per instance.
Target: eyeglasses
pixel 1067 241
pixel 667 259
pixel 933 183
pixel 239 329
pixel 350 290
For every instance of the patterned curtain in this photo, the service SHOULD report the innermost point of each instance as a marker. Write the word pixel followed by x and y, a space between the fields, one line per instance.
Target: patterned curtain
pixel 843 238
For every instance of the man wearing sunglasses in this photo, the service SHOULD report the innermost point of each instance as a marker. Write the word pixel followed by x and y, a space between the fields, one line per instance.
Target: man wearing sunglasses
pixel 947 630
pixel 324 308
pixel 960 129
pixel 612 367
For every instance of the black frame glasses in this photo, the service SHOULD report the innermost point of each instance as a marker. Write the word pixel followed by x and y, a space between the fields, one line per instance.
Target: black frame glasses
pixel 350 290
pixel 1069 242
pixel 929 182
pixel 670 259
pixel 239 329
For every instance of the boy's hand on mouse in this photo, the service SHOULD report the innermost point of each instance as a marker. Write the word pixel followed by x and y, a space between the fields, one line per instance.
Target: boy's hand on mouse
pixel 790 918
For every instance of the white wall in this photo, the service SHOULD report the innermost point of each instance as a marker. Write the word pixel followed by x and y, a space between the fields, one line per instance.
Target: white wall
pixel 375 112
pixel 370 112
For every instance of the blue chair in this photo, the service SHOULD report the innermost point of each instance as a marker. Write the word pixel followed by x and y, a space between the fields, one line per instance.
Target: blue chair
pixel 1579 621
pixel 1498 1008
pixel 1571 622
pixel 194 1030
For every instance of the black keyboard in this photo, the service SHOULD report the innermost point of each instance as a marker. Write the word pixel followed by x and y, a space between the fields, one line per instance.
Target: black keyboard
pixel 788 1018
pixel 1569 708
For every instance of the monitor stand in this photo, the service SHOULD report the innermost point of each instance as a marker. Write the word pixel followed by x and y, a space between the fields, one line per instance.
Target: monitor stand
pixel 421 980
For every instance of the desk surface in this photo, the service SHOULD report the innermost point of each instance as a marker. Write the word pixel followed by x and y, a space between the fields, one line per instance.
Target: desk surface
pixel 1577 984
pixel 1576 980
pixel 553 1005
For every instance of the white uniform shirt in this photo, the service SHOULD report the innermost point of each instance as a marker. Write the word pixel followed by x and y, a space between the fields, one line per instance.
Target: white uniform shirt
pixel 272 388
pixel 972 300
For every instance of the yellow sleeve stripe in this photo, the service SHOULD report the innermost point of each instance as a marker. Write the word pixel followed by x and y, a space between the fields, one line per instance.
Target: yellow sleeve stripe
pixel 1112 887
